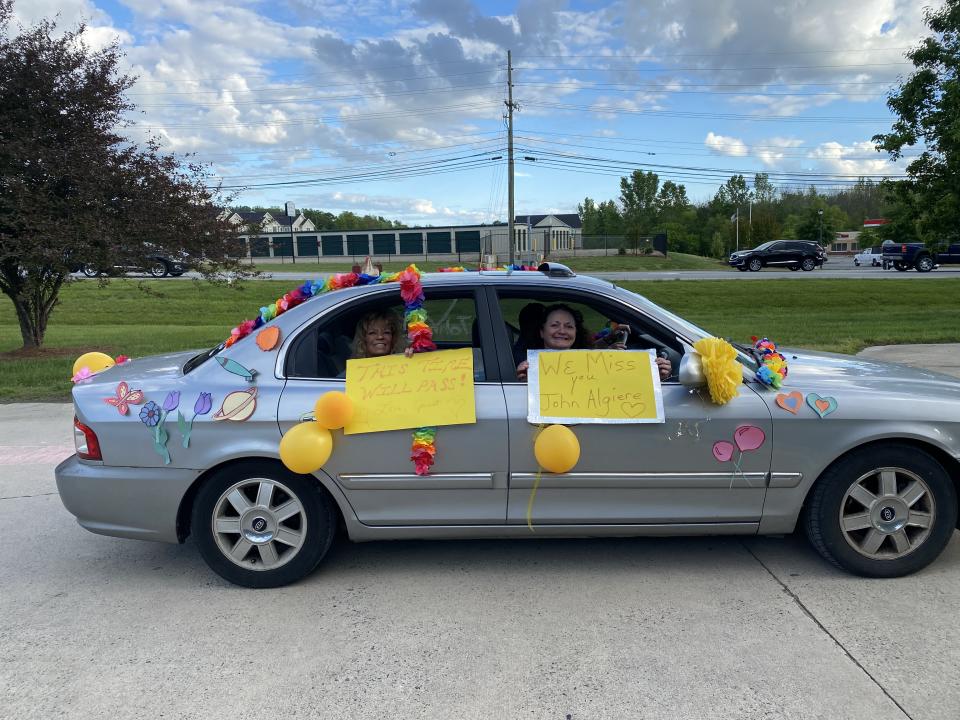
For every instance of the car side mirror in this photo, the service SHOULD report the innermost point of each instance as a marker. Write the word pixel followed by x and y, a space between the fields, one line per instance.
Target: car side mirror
pixel 691 370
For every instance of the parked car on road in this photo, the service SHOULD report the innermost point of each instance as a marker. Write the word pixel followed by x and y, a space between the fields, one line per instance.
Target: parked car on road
pixel 792 254
pixel 903 256
pixel 863 455
pixel 155 264
pixel 871 256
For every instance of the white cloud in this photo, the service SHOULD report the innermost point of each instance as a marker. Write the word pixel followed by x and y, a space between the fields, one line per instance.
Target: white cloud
pixel 722 145
pixel 859 158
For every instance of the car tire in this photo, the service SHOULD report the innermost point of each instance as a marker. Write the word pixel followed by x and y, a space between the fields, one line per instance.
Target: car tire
pixel 742 268
pixel 754 265
pixel 261 526
pixel 924 264
pixel 793 268
pixel 90 270
pixel 158 269
pixel 882 511
pixel 900 266
pixel 856 262
pixel 808 264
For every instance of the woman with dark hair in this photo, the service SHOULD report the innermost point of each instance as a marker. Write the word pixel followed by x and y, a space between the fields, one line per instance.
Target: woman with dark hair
pixel 562 329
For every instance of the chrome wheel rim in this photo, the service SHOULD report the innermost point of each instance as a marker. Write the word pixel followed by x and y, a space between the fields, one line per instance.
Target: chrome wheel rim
pixel 808 264
pixel 887 513
pixel 259 524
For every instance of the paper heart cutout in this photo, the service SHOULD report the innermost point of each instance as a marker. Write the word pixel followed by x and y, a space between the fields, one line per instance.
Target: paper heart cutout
pixel 822 406
pixel 791 402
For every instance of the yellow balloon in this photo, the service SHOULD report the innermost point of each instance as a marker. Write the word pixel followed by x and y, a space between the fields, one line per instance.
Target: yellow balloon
pixel 333 410
pixel 306 447
pixel 557 449
pixel 94 361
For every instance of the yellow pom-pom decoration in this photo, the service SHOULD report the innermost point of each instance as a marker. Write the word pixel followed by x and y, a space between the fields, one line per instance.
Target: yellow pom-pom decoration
pixel 719 359
pixel 93 361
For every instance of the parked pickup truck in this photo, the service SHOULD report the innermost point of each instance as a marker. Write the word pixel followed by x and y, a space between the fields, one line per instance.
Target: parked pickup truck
pixel 903 256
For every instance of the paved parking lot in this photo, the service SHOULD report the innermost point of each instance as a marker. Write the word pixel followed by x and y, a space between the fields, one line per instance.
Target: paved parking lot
pixel 94 627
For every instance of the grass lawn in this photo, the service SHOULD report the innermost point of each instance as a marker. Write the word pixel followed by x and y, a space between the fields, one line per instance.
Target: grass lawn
pixel 839 315
pixel 589 263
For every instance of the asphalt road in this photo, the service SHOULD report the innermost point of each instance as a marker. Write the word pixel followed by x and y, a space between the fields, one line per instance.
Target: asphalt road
pixel 94 627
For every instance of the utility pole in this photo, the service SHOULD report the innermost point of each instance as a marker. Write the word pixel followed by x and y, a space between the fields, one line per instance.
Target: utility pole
pixel 510 209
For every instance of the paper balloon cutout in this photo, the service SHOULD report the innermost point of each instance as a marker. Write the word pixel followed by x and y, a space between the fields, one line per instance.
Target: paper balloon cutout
pixel 723 450
pixel 333 410
pixel 94 362
pixel 748 437
pixel 306 447
pixel 557 449
pixel 268 338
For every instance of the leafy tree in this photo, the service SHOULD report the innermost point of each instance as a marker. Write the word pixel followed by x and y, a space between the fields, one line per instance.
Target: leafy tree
pixel 589 217
pixel 763 189
pixel 611 221
pixel 638 196
pixel 927 106
pixel 73 191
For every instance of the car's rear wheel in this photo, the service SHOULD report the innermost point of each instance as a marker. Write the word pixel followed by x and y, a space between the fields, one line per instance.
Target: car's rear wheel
pixel 900 265
pixel 882 512
pixel 793 268
pixel 754 265
pixel 742 268
pixel 924 264
pixel 90 270
pixel 808 264
pixel 158 269
pixel 260 526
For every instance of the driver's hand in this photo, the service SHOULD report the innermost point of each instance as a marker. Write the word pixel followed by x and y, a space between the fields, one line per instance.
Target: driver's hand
pixel 522 370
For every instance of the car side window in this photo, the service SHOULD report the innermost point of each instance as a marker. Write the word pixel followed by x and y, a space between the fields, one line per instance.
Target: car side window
pixel 321 350
pixel 521 313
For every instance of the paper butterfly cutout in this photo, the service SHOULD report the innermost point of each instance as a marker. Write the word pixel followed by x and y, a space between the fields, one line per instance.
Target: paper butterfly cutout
pixel 125 397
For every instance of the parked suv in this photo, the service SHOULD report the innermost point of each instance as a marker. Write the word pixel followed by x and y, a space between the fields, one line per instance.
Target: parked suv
pixel 793 254
pixel 157 265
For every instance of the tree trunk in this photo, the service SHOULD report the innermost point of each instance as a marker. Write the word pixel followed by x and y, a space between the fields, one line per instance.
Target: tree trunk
pixel 32 326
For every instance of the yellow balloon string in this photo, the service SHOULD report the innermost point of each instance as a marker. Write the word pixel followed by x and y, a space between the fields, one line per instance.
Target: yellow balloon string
pixel 536 484
pixel 533 495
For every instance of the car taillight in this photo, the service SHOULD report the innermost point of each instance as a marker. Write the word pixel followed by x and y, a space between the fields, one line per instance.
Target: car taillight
pixel 903 248
pixel 85 440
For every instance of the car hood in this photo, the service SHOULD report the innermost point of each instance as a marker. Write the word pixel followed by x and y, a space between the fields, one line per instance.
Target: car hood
pixel 810 369
pixel 154 367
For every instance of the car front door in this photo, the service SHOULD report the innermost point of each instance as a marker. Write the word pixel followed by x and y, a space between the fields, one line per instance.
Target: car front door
pixel 467 485
pixel 656 474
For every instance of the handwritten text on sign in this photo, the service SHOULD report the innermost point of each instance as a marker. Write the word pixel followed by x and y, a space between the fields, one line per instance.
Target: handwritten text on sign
pixel 397 392
pixel 594 386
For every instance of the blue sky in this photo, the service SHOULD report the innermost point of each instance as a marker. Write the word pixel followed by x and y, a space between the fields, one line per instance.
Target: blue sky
pixel 395 108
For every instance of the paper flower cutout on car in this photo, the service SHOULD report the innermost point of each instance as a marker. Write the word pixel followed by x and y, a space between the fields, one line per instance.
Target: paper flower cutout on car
pixel 202 406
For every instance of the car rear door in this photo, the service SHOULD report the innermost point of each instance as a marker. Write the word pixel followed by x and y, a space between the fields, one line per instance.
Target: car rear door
pixel 657 474
pixel 468 483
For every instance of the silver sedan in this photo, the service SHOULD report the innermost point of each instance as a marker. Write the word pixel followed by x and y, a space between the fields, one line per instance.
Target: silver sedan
pixel 865 456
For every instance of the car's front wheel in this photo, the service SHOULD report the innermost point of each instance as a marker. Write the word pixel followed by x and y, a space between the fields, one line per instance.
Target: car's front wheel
pixel 90 270
pixel 261 526
pixel 808 264
pixel 924 264
pixel 158 268
pixel 754 265
pixel 882 512
pixel 856 262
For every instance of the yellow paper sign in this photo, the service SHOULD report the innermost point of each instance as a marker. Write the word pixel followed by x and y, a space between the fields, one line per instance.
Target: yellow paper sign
pixel 594 386
pixel 397 392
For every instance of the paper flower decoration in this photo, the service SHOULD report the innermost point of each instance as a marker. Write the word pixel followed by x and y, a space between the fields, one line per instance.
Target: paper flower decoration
pixel 150 414
pixel 719 359
pixel 773 365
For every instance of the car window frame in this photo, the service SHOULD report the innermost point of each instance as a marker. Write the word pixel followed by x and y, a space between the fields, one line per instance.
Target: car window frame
pixel 599 301
pixel 383 293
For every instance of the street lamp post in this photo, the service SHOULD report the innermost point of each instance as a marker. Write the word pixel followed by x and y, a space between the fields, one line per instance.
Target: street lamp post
pixel 820 229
